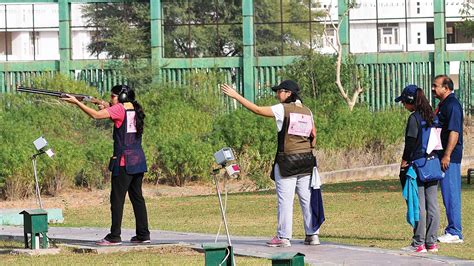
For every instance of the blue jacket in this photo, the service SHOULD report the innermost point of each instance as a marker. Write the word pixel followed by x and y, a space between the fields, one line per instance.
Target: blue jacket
pixel 410 193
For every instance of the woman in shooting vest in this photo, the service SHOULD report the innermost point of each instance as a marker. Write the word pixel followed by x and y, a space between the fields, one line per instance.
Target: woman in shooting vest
pixel 294 161
pixel 128 163
pixel 426 229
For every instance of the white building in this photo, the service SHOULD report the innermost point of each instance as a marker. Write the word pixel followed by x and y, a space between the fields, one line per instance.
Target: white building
pixel 397 26
pixel 30 31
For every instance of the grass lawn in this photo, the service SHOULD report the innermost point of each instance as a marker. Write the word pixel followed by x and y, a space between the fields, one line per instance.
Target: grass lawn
pixel 370 213
pixel 157 256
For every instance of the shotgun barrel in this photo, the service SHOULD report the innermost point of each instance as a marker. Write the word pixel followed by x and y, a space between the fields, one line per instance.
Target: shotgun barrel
pixel 59 94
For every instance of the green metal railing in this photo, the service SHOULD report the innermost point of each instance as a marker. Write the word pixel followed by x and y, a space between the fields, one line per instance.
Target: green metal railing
pixel 466 83
pixel 386 73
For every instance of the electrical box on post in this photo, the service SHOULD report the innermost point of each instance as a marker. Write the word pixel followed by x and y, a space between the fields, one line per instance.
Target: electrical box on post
pixel 218 254
pixel 35 223
pixel 288 259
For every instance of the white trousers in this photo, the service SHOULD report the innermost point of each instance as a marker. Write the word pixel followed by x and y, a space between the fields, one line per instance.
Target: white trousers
pixel 285 189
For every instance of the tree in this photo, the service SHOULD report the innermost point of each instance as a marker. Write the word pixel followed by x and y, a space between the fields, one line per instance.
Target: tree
pixel 292 37
pixel 202 28
pixel 123 31
pixel 355 86
pixel 195 28
pixel 467 25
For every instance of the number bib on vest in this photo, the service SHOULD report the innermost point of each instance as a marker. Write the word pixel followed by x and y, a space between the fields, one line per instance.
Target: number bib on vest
pixel 300 125
pixel 131 128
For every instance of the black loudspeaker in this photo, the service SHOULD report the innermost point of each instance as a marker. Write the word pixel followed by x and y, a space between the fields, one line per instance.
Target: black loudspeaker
pixel 123 95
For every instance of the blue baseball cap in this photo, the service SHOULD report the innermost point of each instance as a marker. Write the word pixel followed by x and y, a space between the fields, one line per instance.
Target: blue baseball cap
pixel 408 94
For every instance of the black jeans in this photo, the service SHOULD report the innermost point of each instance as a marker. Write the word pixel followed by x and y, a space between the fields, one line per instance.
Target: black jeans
pixel 120 185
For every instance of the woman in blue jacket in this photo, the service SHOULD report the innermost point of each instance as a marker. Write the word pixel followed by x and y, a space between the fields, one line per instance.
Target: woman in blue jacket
pixel 425 230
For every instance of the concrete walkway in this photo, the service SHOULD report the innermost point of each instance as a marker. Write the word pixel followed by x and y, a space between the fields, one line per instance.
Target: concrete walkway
pixel 324 254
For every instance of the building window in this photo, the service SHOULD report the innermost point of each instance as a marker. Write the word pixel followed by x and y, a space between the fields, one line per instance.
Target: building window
pixel 418 7
pixel 388 34
pixel 419 37
pixel 5 43
pixel 429 33
pixel 29 32
pixel 454 34
pixel 330 38
pixel 450 36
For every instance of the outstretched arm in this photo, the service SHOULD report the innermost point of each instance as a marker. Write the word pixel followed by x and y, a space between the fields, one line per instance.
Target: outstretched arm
pixel 102 114
pixel 259 110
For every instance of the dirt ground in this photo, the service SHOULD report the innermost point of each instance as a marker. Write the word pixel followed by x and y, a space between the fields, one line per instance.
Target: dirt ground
pixel 73 198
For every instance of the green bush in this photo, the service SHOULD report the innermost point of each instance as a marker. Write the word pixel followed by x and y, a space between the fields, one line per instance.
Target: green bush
pixel 179 142
pixel 338 128
pixel 183 128
pixel 80 143
pixel 253 139
pixel 176 141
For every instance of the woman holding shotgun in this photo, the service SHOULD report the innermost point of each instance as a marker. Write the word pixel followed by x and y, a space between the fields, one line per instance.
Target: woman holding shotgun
pixel 128 163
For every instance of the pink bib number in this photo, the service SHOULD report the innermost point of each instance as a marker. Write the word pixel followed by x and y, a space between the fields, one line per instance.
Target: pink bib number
pixel 300 125
pixel 131 128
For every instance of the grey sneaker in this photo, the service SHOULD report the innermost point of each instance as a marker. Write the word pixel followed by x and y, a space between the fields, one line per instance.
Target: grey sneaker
pixel 312 240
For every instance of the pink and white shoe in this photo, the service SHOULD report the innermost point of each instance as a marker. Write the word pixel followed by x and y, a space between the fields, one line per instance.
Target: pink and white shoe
pixel 416 249
pixel 432 248
pixel 279 242
pixel 105 242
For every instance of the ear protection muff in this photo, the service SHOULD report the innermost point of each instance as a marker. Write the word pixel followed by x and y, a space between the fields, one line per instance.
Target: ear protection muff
pixel 123 95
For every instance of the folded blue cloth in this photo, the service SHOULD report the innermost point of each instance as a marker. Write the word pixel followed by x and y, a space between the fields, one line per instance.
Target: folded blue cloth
pixel 410 193
pixel 317 208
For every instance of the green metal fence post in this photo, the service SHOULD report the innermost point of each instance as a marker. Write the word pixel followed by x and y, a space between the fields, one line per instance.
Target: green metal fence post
pixel 156 39
pixel 248 53
pixel 440 37
pixel 64 36
pixel 343 14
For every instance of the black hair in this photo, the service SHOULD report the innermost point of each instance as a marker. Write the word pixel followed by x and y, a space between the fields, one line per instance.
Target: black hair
pixel 447 81
pixel 292 98
pixel 423 106
pixel 130 97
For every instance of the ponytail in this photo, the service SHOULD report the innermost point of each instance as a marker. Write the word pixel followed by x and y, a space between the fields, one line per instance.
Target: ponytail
pixel 293 98
pixel 423 106
pixel 139 117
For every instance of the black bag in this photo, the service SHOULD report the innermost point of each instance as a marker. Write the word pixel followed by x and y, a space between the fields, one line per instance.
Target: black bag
pixel 294 164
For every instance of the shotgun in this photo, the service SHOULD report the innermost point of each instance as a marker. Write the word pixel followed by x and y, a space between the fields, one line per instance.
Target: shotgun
pixel 60 94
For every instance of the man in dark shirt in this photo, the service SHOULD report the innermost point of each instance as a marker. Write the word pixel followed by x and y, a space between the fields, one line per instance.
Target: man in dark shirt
pixel 450 115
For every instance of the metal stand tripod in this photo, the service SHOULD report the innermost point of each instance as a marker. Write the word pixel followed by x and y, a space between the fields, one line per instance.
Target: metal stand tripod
pixel 37 189
pixel 216 180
